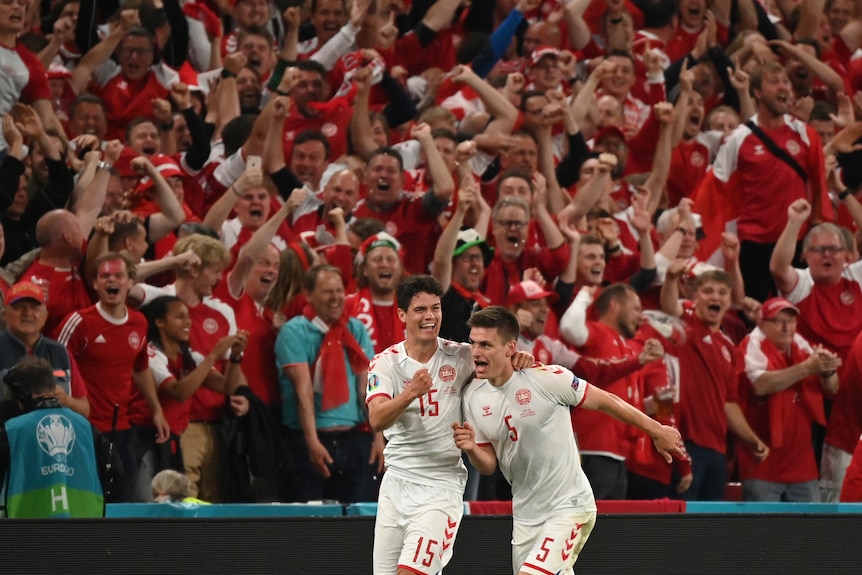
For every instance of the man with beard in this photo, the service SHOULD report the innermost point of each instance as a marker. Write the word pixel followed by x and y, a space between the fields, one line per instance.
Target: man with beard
pixel 250 90
pixel 803 64
pixel 379 271
pixel 760 186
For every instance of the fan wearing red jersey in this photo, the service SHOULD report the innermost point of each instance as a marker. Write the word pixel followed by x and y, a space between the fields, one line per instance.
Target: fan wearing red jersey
pixel 709 365
pixel 410 218
pixel 829 296
pixel 109 343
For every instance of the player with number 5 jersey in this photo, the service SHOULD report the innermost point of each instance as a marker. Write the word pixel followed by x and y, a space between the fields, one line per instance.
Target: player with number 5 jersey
pixel 413 396
pixel 521 420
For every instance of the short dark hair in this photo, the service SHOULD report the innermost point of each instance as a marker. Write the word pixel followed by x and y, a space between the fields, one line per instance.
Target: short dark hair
pixel 444 133
pixel 33 375
pixel 135 122
pixel 310 66
pixel 618 292
pixel 658 13
pixel 123 231
pixel 515 172
pixel 309 280
pixel 411 286
pixel 499 318
pixel 87 98
pixel 387 151
pixel 312 136
pixel 527 95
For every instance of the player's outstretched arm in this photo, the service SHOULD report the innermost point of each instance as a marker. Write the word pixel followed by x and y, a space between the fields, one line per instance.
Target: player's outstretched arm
pixel 483 457
pixel 667 440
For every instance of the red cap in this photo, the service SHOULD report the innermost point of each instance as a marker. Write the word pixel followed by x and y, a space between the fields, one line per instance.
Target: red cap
pixel 529 291
pixel 543 51
pixel 609 131
pixel 771 307
pixel 24 290
pixel 166 166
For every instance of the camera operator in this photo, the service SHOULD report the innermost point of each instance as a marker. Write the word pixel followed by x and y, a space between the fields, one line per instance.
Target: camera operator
pixel 53 463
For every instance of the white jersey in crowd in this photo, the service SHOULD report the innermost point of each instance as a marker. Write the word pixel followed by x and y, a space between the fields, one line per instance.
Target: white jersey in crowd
pixel 420 445
pixel 527 422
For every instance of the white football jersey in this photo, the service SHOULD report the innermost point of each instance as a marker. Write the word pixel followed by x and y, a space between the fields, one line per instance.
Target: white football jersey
pixel 420 445
pixel 527 422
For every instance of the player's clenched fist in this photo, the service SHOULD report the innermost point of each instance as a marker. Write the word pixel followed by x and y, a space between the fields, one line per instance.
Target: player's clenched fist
pixel 421 384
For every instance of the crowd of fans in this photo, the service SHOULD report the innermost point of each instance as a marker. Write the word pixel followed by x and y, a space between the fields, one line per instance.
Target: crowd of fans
pixel 196 194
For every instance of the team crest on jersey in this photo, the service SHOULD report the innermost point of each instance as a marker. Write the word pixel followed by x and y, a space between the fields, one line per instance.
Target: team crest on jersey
pixel 725 353
pixel 210 325
pixel 792 147
pixel 758 150
pixel 847 298
pixel 373 382
pixel 523 396
pixel 407 382
pixel 697 159
pixel 329 129
pixel 134 340
pixel 486 410
pixel 447 373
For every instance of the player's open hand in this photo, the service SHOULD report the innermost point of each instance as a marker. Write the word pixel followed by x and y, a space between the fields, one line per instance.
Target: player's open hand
pixel 667 440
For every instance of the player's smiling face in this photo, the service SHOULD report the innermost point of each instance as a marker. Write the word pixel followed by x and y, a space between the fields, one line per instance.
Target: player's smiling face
pixel 491 356
pixel 422 318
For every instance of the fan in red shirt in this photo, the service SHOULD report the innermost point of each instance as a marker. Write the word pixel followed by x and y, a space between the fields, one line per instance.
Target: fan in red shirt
pixel 781 394
pixel 709 365
pixel 410 218
pixel 109 343
pixel 602 441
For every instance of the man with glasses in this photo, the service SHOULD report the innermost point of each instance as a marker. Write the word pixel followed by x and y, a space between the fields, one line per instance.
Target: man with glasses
pixel 512 257
pixel 829 297
pixel 128 85
pixel 781 395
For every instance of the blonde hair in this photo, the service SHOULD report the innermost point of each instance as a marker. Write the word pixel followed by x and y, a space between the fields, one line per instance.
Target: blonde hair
pixel 212 252
pixel 169 485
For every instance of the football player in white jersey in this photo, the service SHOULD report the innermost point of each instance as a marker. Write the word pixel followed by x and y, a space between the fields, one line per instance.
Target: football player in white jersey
pixel 521 419
pixel 414 393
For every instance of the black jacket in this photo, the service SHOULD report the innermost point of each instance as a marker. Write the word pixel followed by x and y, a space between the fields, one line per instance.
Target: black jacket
pixel 251 446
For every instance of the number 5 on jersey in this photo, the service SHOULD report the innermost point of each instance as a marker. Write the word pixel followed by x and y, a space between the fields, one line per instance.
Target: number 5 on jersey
pixel 513 433
pixel 428 405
